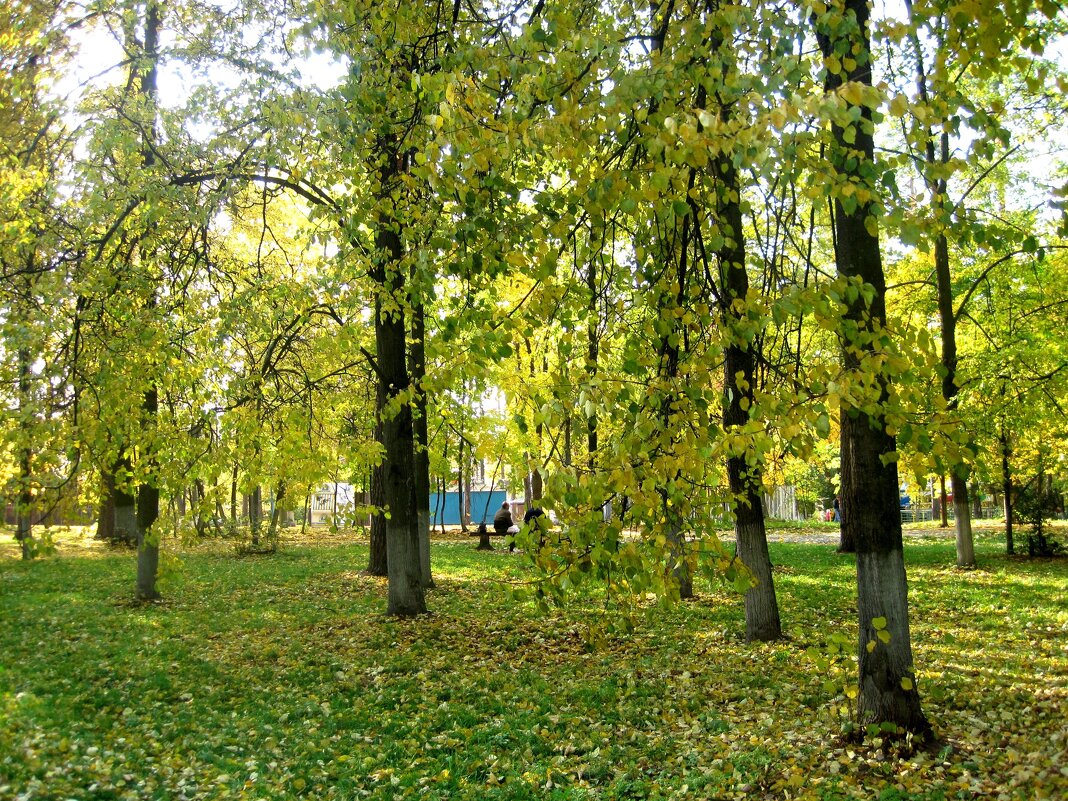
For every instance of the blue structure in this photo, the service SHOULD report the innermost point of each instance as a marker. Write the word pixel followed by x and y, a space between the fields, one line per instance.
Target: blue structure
pixel 483 506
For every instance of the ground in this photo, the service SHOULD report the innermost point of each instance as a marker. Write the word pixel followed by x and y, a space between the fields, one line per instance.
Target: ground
pixel 278 677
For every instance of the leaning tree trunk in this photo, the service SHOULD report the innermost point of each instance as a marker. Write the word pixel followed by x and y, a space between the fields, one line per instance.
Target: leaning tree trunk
pixel 886 681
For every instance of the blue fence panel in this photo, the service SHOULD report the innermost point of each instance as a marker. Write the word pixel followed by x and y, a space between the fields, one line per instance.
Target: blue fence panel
pixel 483 506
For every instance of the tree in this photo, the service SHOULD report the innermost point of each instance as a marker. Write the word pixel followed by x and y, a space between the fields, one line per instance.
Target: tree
pixel 34 250
pixel 888 692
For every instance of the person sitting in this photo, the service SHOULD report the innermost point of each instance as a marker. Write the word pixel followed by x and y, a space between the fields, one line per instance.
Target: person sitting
pixel 502 521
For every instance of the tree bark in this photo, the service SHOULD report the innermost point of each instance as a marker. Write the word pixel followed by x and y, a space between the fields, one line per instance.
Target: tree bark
pixel 421 457
pixel 255 514
pixel 943 502
pixel 148 513
pixel 762 620
pixel 887 682
pixel 105 517
pixel 377 560
pixel 460 494
pixel 962 514
pixel 272 528
pixel 125 505
pixel 406 597
pixel 1007 488
pixel 233 500
pixel 938 187
pixel 24 498
pixel 846 541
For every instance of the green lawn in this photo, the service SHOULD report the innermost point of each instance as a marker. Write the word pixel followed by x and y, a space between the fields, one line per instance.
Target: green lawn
pixel 278 677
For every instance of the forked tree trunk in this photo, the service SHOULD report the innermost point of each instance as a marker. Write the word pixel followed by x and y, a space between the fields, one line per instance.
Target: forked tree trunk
pixel 887 682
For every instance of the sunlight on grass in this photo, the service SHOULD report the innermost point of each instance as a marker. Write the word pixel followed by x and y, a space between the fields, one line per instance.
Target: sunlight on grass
pixel 279 677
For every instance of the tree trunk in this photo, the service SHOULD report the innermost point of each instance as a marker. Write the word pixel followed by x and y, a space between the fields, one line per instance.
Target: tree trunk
pixel 762 620
pixel 421 457
pixel 406 596
pixel 465 508
pixel 943 502
pixel 272 529
pixel 1007 488
pixel 255 514
pixel 233 500
pixel 105 517
pixel 593 354
pixel 147 514
pixel 460 495
pixel 962 514
pixel 377 561
pixel 24 497
pixel 887 683
pixel 846 542
pixel 937 186
pixel 125 505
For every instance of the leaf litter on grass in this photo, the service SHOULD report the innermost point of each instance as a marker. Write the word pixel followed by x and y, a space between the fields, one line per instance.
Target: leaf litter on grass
pixel 281 678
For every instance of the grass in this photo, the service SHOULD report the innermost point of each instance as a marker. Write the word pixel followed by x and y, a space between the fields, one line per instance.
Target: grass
pixel 278 677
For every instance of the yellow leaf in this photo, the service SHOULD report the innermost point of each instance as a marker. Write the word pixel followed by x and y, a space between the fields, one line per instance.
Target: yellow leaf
pixel 852 93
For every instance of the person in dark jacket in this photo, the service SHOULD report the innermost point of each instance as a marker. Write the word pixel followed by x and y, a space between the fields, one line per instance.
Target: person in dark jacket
pixel 502 521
